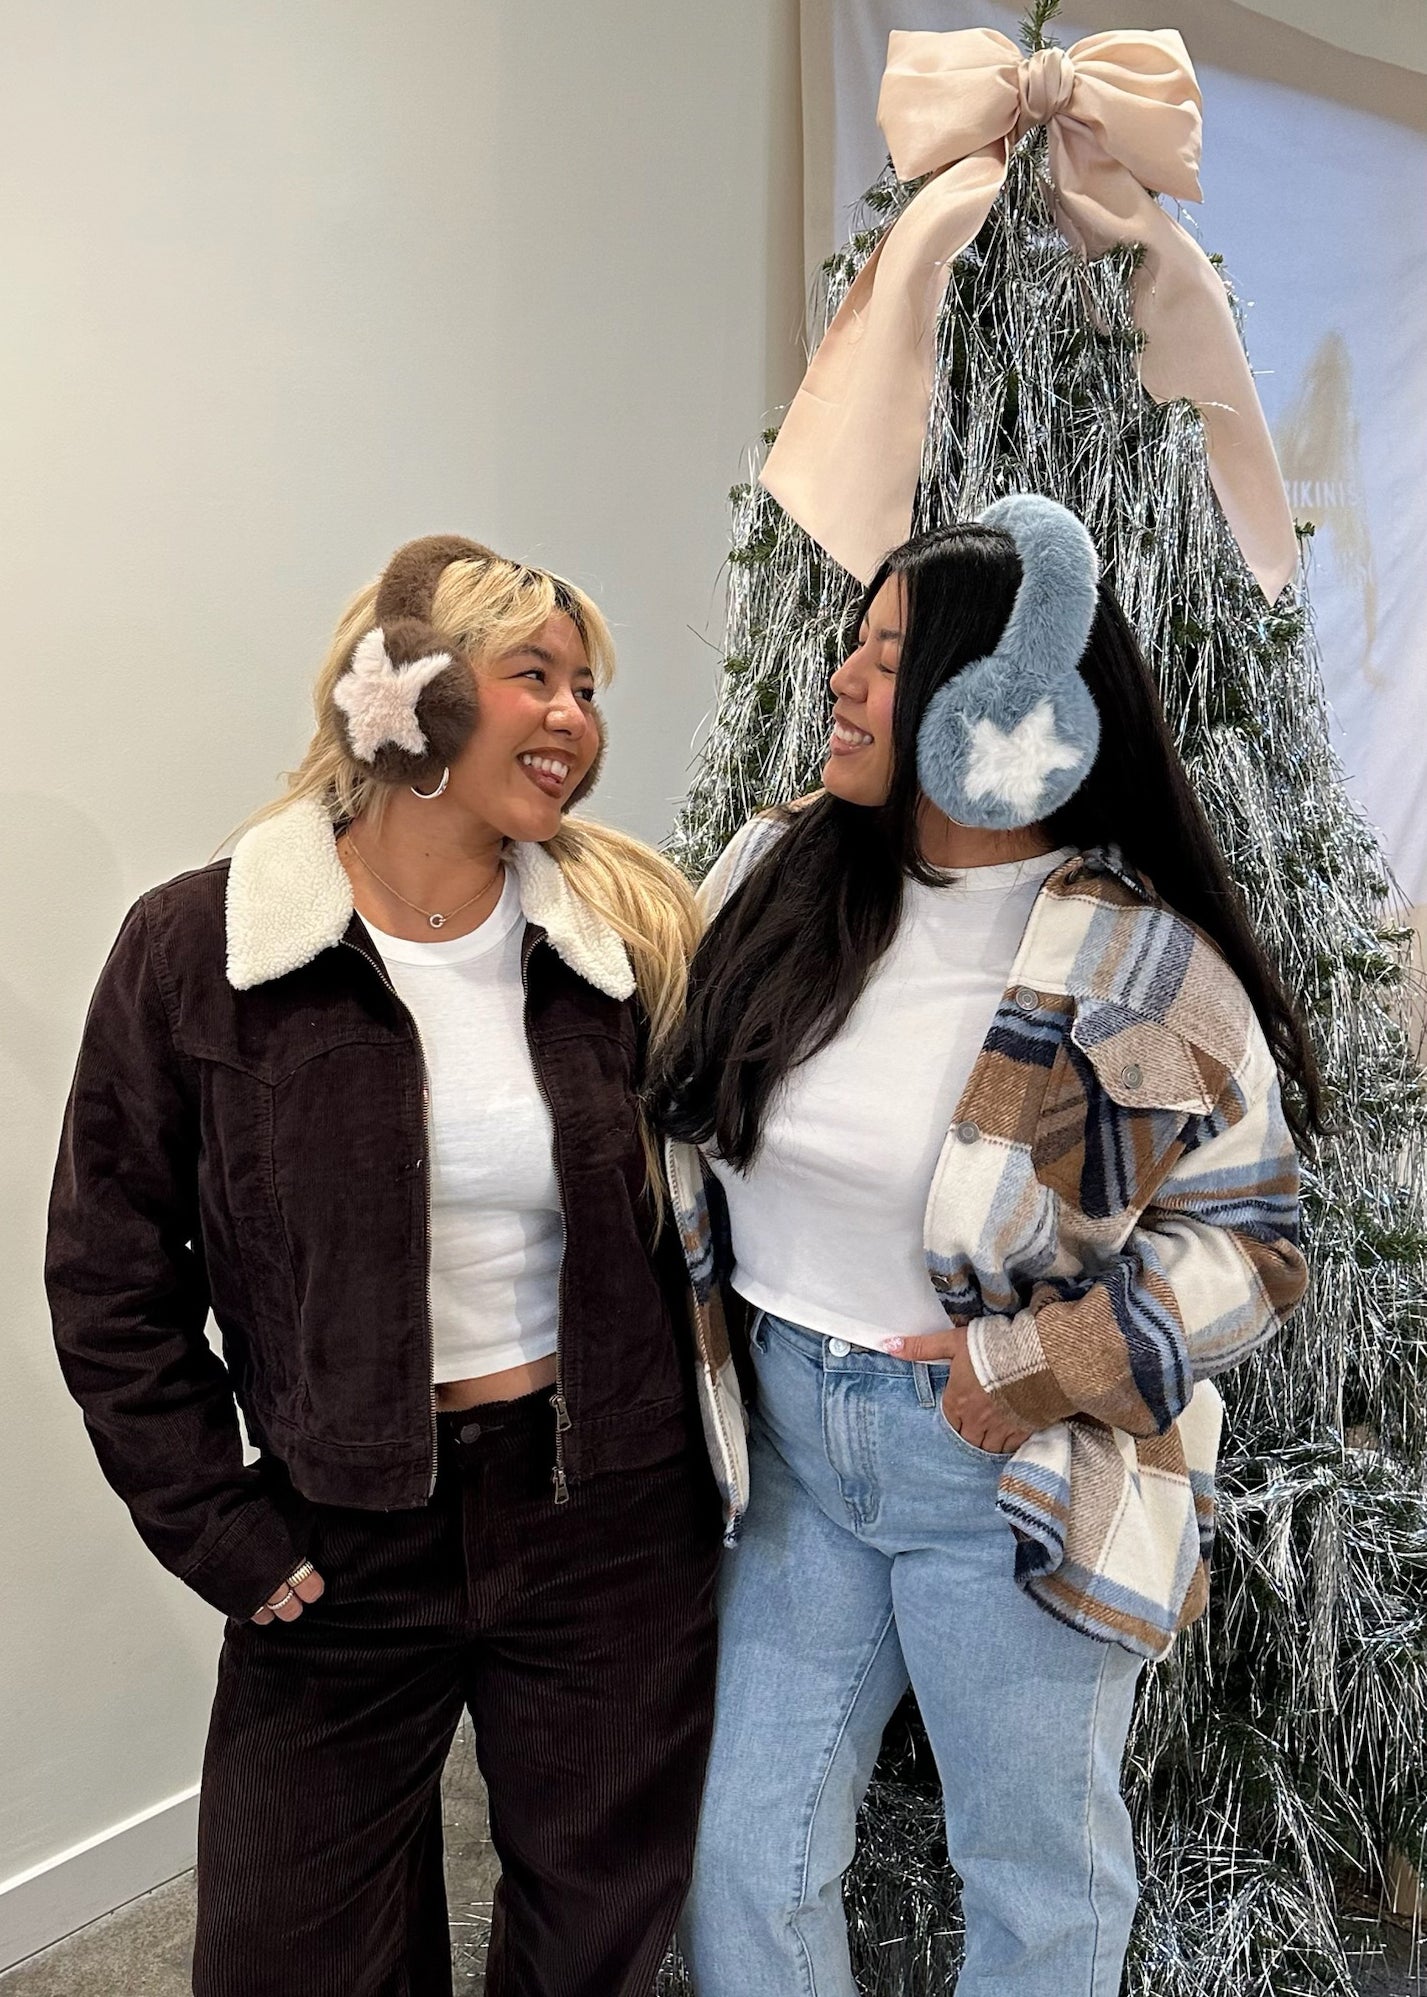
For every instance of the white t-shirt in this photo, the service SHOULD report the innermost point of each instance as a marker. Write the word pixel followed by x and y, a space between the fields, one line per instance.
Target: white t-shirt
pixel 828 1222
pixel 497 1230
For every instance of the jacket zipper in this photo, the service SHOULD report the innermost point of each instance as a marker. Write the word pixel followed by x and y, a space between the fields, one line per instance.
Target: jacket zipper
pixel 557 1399
pixel 426 1188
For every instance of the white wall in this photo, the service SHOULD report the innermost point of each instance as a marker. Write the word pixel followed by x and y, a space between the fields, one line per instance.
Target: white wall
pixel 286 284
pixel 1386 30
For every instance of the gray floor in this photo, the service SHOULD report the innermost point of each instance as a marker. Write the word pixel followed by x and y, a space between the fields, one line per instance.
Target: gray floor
pixel 145 1949
pixel 1400 1971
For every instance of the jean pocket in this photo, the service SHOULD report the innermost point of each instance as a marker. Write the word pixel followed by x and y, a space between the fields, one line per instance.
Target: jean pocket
pixel 972 1449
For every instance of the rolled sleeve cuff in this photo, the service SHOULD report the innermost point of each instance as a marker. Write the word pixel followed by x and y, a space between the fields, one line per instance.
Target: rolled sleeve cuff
pixel 1009 1360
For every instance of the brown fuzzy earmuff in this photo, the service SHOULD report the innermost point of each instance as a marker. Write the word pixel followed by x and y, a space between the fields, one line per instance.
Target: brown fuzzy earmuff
pixel 592 774
pixel 407 697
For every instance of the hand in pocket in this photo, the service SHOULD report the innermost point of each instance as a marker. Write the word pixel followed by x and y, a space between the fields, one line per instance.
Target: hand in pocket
pixel 286 1603
pixel 978 1417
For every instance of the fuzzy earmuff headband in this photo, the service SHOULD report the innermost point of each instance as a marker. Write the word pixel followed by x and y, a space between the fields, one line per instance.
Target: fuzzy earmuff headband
pixel 407 696
pixel 1014 735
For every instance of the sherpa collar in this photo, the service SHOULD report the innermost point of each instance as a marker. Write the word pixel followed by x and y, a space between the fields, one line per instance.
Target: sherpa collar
pixel 289 899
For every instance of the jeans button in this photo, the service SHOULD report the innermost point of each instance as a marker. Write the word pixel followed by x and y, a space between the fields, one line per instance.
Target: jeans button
pixel 469 1432
pixel 838 1347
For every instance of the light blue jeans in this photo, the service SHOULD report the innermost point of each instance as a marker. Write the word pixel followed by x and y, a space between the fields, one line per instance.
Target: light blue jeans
pixel 872 1554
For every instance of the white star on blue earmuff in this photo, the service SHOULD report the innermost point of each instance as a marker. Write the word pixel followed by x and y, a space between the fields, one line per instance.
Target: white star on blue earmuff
pixel 1015 734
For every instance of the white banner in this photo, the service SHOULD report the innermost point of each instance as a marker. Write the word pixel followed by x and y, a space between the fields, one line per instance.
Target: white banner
pixel 1319 209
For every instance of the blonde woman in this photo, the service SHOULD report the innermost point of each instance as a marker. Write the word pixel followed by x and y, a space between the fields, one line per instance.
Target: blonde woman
pixel 369 1093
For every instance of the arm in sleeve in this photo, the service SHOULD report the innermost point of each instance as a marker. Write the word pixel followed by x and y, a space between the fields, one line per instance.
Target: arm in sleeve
pixel 1209 1272
pixel 128 1297
pixel 737 861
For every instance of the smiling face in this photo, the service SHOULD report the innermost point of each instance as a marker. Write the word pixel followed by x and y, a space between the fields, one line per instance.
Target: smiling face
pixel 864 687
pixel 536 736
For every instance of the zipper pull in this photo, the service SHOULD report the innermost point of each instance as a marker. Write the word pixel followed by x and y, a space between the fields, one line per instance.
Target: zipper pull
pixel 562 1422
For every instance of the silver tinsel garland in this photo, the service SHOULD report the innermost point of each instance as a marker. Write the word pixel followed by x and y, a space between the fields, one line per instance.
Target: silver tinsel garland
pixel 1278 1756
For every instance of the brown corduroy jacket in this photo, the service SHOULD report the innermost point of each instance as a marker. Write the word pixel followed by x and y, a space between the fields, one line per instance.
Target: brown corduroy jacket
pixel 252 1142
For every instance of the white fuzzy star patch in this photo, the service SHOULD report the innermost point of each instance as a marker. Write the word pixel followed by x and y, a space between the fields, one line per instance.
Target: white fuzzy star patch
pixel 1013 764
pixel 379 699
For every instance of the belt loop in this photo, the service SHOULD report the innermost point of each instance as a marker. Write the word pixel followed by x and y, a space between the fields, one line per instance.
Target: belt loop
pixel 926 1392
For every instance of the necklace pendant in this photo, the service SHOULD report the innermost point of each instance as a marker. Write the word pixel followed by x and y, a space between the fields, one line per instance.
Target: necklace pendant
pixel 437 921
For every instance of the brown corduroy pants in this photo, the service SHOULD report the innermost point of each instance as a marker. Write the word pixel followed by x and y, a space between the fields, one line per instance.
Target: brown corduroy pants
pixel 580 1637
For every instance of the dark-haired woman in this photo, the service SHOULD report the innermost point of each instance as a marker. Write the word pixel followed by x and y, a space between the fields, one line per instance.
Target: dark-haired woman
pixel 986 1062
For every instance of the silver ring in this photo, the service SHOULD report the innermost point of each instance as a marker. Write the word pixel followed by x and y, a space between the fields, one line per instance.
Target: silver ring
pixel 300 1573
pixel 290 1596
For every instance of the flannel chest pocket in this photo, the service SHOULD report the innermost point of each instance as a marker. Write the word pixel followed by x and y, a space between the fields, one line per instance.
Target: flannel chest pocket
pixel 1121 1089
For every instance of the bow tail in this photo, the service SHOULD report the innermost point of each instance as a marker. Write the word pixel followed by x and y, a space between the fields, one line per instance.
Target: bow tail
pixel 1192 349
pixel 847 457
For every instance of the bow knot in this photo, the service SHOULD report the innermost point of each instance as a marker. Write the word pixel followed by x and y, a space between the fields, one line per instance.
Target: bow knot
pixel 1123 116
pixel 1046 81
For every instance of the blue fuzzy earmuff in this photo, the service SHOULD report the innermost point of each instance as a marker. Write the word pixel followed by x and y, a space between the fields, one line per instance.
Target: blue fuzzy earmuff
pixel 1014 734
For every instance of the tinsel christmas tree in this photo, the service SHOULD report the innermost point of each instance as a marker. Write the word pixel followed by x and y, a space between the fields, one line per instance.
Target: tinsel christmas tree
pixel 1276 1768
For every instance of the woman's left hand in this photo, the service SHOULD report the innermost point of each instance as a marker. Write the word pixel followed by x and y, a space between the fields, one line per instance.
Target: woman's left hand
pixel 976 1415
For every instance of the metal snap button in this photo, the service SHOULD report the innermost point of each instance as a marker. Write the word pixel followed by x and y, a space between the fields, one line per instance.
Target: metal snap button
pixel 838 1347
pixel 967 1133
pixel 469 1432
pixel 1133 1076
pixel 1026 999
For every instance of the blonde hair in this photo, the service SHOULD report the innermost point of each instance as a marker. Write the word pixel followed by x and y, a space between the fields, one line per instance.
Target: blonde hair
pixel 486 609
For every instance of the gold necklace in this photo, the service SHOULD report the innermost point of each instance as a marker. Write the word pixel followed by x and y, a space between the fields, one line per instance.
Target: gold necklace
pixel 436 920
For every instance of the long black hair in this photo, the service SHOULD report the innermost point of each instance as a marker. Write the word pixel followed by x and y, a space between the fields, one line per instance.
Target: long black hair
pixel 786 959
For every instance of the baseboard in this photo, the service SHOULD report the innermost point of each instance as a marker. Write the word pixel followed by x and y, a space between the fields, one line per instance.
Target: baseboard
pixel 75 1887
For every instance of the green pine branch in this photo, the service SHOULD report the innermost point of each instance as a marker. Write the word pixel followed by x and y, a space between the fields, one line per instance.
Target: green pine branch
pixel 1033 26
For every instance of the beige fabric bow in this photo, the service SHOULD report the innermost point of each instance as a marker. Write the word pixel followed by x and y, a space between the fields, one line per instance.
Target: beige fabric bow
pixel 1123 112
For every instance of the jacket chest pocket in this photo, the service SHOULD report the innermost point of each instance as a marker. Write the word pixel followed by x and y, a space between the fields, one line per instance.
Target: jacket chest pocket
pixel 315 1165
pixel 588 1080
pixel 1120 1092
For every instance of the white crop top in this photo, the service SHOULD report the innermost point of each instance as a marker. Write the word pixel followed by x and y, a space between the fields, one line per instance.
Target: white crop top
pixel 497 1231
pixel 828 1222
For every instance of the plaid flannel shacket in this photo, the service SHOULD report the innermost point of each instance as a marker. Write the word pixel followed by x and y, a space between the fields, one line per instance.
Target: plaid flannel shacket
pixel 1115 1216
